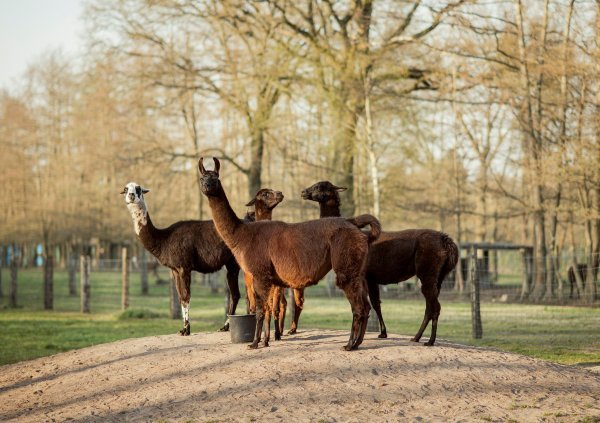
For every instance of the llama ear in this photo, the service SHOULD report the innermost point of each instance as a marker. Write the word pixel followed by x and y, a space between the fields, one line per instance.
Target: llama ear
pixel 251 203
pixel 124 191
pixel 340 189
pixel 201 166
pixel 144 190
pixel 217 164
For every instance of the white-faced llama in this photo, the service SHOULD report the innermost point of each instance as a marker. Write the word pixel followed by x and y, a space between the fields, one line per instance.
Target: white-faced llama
pixel 182 247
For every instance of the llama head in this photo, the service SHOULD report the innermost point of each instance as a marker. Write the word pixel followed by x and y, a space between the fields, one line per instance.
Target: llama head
pixel 268 197
pixel 134 198
pixel 134 194
pixel 209 179
pixel 322 192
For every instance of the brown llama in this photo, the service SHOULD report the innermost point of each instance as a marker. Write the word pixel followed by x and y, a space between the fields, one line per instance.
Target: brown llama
pixel 295 255
pixel 264 202
pixel 396 257
pixel 182 247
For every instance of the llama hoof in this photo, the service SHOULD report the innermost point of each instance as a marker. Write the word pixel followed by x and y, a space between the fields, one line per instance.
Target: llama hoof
pixel 350 347
pixel 253 346
pixel 429 344
pixel 414 340
pixel 225 328
pixel 382 335
pixel 184 332
pixel 292 332
pixel 265 344
pixel 278 337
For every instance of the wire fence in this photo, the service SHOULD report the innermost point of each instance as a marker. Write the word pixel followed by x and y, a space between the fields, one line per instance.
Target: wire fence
pixel 502 277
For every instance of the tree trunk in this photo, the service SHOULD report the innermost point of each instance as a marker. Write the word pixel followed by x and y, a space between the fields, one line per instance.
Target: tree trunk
pixel 49 282
pixel 72 270
pixel 84 274
pixel 343 160
pixel 552 272
pixel 370 144
pixel 12 295
pixel 525 284
pixel 255 170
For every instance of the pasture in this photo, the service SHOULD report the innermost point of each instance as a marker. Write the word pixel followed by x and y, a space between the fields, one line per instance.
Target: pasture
pixel 562 334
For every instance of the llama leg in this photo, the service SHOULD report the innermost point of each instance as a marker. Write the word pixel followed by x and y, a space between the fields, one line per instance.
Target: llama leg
pixel 356 293
pixel 233 271
pixel 267 323
pixel 299 300
pixel 430 292
pixel 182 282
pixel 185 312
pixel 261 292
pixel 282 311
pixel 436 309
pixel 274 302
pixel 376 303
pixel 250 300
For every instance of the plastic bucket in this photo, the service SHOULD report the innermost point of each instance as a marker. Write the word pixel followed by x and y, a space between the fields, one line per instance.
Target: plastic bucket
pixel 241 327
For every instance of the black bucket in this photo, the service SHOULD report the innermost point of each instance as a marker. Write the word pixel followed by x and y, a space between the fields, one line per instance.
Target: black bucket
pixel 241 327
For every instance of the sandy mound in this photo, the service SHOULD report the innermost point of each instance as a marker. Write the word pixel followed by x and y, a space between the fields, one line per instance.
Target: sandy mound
pixel 303 378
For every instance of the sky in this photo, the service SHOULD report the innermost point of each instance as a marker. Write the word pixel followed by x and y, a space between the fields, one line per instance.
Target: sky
pixel 30 27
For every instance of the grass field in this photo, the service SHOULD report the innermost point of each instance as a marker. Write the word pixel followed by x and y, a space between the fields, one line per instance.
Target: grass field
pixel 569 335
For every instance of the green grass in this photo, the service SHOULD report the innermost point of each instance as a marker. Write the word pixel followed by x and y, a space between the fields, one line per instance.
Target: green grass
pixel 561 334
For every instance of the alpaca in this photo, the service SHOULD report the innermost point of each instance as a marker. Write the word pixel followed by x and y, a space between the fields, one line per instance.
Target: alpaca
pixel 295 255
pixel 396 257
pixel 182 247
pixel 264 202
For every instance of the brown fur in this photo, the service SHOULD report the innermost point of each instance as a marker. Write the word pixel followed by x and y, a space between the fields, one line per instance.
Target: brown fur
pixel 191 245
pixel 264 202
pixel 295 255
pixel 397 256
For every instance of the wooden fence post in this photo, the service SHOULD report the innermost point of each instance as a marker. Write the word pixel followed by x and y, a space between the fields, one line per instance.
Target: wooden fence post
pixel 475 304
pixel 144 271
pixel 85 283
pixel 124 280
pixel 13 279
pixel 49 281
pixel 1 266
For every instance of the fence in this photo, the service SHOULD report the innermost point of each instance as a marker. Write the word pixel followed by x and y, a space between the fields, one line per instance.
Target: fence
pixel 484 276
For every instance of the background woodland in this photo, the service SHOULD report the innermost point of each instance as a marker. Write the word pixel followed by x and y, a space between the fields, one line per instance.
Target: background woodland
pixel 477 118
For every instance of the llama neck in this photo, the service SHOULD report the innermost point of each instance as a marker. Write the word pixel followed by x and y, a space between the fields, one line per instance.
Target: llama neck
pixel 330 208
pixel 226 221
pixel 144 228
pixel 263 213
pixel 150 236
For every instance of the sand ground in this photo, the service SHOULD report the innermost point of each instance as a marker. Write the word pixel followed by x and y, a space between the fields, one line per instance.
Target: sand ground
pixel 305 378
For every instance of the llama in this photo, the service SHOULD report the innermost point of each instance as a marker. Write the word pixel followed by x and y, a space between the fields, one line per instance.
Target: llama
pixel 264 202
pixel 396 257
pixel 182 247
pixel 295 255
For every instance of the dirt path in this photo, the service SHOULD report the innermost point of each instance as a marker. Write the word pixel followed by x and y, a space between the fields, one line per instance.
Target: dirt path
pixel 303 378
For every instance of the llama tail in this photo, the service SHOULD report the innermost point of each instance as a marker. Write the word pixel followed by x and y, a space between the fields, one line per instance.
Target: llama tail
pixel 367 219
pixel 451 254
